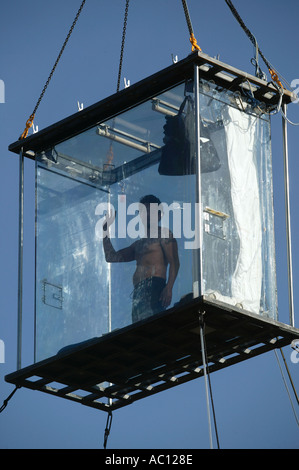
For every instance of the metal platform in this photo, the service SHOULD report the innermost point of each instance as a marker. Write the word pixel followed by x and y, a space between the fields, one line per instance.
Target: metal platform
pixel 153 355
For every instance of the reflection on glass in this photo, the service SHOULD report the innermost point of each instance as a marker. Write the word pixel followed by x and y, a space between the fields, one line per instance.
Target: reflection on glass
pixel 71 275
pixel 84 288
pixel 117 236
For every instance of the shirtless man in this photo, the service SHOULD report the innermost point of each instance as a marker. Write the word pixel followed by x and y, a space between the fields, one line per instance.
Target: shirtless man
pixel 152 290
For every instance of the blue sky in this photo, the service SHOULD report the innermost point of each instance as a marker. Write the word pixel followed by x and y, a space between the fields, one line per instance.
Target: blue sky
pixel 252 407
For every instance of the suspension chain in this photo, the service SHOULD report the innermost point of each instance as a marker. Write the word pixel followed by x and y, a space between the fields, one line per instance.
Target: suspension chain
pixel 31 118
pixel 122 45
pixel 193 41
pixel 272 72
pixel 108 428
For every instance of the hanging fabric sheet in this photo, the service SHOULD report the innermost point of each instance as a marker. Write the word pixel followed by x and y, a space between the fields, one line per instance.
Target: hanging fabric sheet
pixel 241 131
pixel 246 280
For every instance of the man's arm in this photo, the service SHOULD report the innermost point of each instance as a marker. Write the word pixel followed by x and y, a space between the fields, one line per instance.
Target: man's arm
pixel 170 249
pixel 111 256
pixel 121 256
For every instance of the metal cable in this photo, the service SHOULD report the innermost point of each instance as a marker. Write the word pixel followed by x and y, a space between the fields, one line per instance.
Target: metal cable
pixel 108 428
pixel 206 386
pixel 286 386
pixel 246 30
pixel 188 19
pixel 31 118
pixel 193 41
pixel 289 375
pixel 252 38
pixel 210 388
pixel 207 382
pixel 2 408
pixel 122 45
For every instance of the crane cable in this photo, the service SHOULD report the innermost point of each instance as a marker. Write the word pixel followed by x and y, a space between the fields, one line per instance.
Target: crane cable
pixel 108 428
pixel 285 383
pixel 289 375
pixel 122 44
pixel 30 120
pixel 193 41
pixel 208 385
pixel 110 153
pixel 274 74
pixel 5 402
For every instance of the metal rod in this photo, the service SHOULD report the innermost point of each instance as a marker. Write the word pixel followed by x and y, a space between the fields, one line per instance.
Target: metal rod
pixel 206 378
pixel 109 283
pixel 288 214
pixel 197 253
pixel 289 375
pixel 20 257
pixel 143 145
pixel 286 386
pixel 110 401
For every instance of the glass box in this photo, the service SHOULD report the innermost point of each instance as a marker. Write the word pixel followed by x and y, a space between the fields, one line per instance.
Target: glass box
pixel 150 199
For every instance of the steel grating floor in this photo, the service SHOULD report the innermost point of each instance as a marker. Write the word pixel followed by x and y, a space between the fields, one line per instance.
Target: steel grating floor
pixel 154 355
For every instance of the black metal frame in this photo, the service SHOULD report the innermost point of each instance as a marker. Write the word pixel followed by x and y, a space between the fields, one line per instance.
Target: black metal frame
pixel 210 69
pixel 153 355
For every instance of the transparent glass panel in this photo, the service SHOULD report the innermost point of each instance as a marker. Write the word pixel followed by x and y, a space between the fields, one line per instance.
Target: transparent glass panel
pixel 86 287
pixel 238 256
pixel 71 275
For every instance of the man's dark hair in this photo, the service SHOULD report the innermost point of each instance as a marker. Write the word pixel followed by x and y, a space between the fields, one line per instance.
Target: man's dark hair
pixel 149 199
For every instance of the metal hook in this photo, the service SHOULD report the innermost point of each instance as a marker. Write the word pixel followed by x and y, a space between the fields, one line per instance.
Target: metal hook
pixel 127 83
pixel 80 106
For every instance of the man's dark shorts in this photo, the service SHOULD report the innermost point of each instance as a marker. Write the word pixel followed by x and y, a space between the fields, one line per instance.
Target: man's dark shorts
pixel 146 298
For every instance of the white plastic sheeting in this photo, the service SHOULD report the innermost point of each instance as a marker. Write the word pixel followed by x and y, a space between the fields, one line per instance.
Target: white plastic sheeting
pixel 246 283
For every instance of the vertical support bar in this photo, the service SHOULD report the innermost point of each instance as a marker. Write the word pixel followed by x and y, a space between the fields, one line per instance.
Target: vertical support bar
pixel 109 281
pixel 20 258
pixel 36 241
pixel 110 401
pixel 288 213
pixel 197 256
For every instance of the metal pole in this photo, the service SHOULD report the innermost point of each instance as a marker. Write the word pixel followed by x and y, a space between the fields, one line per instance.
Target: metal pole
pixel 109 303
pixel 197 253
pixel 109 280
pixel 288 214
pixel 20 258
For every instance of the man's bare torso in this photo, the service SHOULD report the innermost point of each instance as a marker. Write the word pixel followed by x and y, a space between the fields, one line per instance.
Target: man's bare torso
pixel 150 259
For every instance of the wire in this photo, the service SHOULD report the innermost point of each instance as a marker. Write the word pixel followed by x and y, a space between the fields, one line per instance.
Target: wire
pixel 31 118
pixel 273 72
pixel 279 107
pixel 286 386
pixel 205 376
pixel 108 428
pixel 122 44
pixel 255 61
pixel 289 375
pixel 288 120
pixel 211 395
pixel 5 402
pixel 208 381
pixel 275 75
